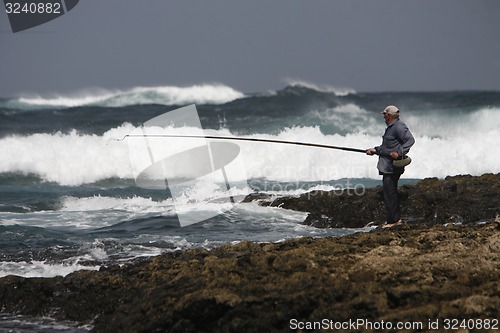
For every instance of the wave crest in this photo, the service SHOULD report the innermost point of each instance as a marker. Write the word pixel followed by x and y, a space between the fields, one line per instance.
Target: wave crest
pixel 446 144
pixel 165 95
pixel 337 91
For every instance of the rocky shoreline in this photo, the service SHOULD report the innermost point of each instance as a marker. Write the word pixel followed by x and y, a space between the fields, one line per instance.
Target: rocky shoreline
pixel 457 199
pixel 416 272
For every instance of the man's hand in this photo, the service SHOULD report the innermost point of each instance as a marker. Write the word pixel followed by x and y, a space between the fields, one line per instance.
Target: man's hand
pixel 394 155
pixel 370 151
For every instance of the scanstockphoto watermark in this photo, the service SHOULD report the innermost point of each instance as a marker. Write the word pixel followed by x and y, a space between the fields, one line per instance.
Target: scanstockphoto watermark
pixel 311 189
pixel 171 152
pixel 27 14
pixel 309 170
pixel 383 325
pixel 356 324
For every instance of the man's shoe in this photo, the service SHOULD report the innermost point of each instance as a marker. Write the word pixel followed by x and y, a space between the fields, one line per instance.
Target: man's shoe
pixel 390 225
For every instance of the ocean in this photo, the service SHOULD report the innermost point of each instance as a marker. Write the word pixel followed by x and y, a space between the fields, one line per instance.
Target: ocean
pixel 69 199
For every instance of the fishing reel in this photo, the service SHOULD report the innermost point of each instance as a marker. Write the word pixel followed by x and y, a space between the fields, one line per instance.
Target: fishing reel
pixel 401 162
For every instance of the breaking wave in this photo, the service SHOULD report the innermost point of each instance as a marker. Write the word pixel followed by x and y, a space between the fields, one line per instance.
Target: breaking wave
pixel 338 91
pixel 441 149
pixel 164 95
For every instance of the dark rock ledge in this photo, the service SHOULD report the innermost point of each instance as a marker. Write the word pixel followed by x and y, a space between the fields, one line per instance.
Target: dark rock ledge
pixel 458 199
pixel 414 272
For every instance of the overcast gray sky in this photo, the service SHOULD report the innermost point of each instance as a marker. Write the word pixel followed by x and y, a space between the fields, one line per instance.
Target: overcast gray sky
pixel 254 46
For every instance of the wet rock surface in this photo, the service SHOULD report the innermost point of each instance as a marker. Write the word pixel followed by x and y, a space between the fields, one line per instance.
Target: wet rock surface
pixel 458 199
pixel 414 272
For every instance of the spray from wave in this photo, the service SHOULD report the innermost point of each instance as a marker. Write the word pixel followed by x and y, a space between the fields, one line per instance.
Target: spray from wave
pixel 337 91
pixel 164 95
pixel 443 148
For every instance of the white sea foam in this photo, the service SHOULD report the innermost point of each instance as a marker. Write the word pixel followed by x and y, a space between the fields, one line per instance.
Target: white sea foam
pixel 320 87
pixel 166 95
pixel 444 146
pixel 68 159
pixel 40 268
pixel 103 203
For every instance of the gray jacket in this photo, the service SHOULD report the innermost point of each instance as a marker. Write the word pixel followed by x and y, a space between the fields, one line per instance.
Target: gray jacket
pixel 398 138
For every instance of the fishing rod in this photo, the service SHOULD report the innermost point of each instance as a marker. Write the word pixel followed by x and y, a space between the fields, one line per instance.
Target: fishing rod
pixel 232 138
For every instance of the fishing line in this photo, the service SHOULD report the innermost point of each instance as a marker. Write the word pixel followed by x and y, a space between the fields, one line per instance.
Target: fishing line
pixel 232 138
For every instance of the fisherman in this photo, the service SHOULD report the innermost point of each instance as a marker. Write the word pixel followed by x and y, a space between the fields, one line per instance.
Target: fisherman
pixel 396 142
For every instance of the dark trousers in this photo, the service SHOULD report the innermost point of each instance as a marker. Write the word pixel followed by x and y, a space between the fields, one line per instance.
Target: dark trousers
pixel 391 199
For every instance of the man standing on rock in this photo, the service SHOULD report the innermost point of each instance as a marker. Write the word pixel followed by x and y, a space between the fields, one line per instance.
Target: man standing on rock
pixel 396 142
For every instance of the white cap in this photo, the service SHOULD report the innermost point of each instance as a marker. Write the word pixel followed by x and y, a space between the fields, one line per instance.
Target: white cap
pixel 391 109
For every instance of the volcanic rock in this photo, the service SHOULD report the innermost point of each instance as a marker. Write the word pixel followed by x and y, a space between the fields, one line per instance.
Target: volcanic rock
pixel 458 199
pixel 415 273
